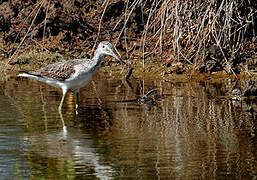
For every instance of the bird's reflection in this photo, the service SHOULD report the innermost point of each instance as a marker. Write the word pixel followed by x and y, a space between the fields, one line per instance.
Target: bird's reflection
pixel 71 144
pixel 64 127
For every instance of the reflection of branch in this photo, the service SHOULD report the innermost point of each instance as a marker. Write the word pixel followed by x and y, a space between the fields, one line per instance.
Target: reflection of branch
pixel 129 84
pixel 43 107
pixel 142 99
pixel 97 94
pixel 130 70
pixel 129 73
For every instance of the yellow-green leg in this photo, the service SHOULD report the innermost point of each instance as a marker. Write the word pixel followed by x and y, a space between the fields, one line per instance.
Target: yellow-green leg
pixel 64 91
pixel 77 100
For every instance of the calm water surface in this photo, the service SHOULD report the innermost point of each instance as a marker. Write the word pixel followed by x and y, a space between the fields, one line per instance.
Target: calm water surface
pixel 190 131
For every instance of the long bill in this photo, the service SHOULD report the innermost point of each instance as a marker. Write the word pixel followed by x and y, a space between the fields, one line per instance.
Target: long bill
pixel 116 57
pixel 111 53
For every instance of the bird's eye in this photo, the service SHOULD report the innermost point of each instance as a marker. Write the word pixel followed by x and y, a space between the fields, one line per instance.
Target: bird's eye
pixel 103 46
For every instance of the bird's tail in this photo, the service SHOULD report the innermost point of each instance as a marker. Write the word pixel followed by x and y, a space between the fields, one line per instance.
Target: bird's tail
pixel 27 74
pixel 24 73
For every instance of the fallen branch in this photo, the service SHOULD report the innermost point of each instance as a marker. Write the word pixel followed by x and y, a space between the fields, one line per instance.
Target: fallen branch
pixel 142 99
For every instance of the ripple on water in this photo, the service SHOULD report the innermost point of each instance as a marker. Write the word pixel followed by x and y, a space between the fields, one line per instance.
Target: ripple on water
pixel 189 133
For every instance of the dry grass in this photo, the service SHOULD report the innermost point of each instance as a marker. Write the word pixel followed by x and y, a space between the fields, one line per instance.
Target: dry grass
pixel 200 33
pixel 186 29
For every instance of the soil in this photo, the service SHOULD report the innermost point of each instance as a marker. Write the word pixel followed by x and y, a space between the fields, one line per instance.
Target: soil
pixel 71 27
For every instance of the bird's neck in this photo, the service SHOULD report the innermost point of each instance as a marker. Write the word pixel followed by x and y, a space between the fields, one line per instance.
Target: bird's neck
pixel 98 56
pixel 97 59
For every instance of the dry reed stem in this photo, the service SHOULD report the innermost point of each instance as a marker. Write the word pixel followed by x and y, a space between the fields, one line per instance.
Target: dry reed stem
pixel 99 26
pixel 126 20
pixel 16 51
pixel 23 22
pixel 143 39
pixel 44 30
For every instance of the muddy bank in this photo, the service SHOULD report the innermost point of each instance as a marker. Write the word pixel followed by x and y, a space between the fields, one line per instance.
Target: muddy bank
pixel 243 85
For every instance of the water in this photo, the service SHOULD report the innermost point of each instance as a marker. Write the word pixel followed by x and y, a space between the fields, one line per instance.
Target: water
pixel 191 131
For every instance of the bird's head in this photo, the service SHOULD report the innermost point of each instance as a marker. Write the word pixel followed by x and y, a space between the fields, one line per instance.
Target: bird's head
pixel 105 48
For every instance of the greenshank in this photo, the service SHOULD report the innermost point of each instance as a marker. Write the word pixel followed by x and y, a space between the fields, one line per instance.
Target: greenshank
pixel 72 74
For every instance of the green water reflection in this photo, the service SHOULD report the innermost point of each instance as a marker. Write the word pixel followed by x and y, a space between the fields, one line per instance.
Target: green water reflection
pixel 194 131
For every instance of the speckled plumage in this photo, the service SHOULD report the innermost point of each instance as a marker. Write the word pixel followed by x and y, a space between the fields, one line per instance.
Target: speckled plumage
pixel 63 70
pixel 58 71
pixel 71 74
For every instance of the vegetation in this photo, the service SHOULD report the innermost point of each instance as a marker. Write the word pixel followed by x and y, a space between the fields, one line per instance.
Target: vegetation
pixel 209 35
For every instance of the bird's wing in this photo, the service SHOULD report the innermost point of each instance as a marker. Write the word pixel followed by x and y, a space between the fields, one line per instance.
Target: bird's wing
pixel 59 71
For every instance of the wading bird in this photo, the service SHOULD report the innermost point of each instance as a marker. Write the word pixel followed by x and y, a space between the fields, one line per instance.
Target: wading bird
pixel 72 74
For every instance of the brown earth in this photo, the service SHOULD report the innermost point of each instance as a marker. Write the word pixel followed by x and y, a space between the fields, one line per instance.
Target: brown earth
pixel 66 27
pixel 35 33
